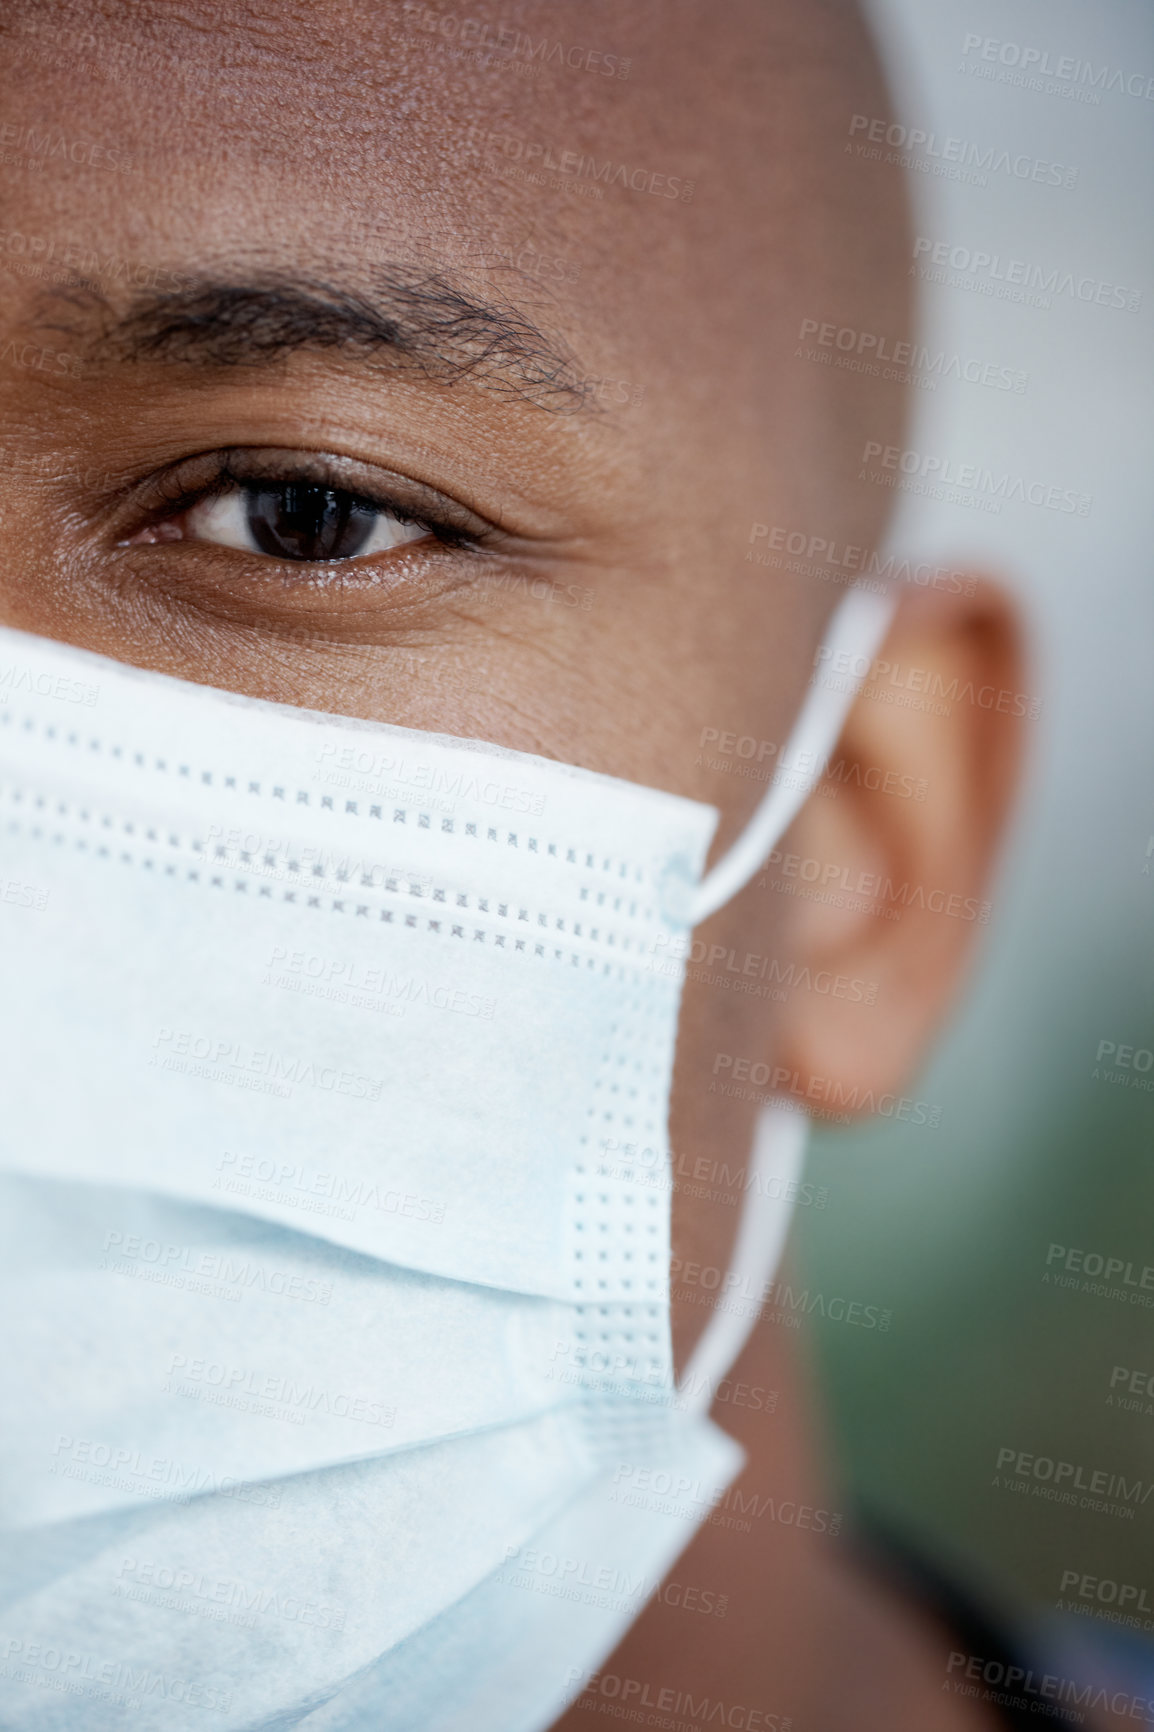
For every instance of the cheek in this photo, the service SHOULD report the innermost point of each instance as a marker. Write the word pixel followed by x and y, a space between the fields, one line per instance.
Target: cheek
pixel 41 591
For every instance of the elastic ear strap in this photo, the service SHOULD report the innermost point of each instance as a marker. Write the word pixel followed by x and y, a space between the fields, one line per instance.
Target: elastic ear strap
pixel 856 631
pixel 775 1165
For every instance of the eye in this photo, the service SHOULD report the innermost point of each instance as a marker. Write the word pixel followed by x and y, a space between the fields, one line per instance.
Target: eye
pixel 294 520
pixel 297 508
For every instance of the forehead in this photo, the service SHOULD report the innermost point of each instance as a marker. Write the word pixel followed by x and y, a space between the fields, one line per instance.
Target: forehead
pixel 400 81
pixel 600 157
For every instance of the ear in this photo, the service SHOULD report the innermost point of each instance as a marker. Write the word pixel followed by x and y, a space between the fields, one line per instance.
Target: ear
pixel 904 830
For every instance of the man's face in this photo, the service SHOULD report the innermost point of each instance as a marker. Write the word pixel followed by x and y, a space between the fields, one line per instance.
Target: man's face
pixel 516 303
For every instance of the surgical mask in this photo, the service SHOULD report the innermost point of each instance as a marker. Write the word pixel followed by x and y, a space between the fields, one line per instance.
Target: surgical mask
pixel 335 1172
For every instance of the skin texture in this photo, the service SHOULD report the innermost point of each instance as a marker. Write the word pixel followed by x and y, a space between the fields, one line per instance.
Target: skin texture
pixel 625 470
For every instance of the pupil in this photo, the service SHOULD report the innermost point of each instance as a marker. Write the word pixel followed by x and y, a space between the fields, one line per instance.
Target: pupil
pixel 304 520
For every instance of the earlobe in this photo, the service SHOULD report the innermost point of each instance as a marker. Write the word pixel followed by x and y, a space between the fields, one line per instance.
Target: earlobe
pixel 891 860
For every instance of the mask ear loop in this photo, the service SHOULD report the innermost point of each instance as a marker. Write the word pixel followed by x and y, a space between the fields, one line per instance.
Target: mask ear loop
pixel 775 1166
pixel 857 631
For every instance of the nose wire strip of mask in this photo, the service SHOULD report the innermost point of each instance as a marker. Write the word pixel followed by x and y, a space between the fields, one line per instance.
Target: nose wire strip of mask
pixel 857 629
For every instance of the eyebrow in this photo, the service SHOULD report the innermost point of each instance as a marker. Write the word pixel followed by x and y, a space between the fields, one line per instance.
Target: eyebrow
pixel 426 322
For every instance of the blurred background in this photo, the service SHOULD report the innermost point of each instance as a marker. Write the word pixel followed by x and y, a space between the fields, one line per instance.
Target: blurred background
pixel 1042 1143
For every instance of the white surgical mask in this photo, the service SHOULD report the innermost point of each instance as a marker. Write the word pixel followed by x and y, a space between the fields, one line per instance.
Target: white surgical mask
pixel 336 1060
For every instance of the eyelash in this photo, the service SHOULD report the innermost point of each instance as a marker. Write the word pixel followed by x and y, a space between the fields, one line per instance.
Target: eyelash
pixel 171 497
